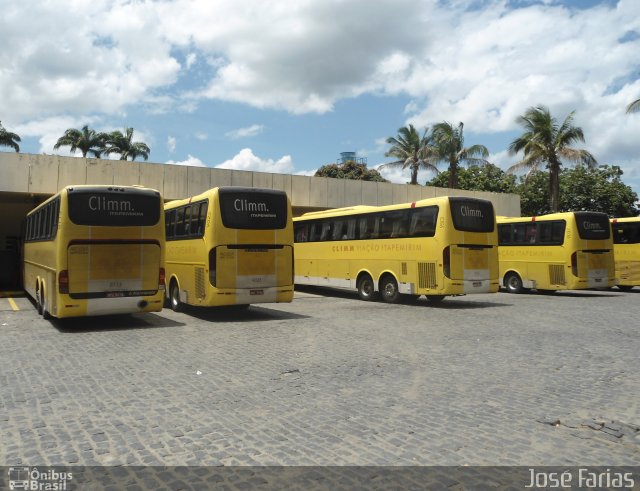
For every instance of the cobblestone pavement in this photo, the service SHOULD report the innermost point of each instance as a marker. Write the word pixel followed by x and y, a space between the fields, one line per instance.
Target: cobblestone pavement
pixel 328 380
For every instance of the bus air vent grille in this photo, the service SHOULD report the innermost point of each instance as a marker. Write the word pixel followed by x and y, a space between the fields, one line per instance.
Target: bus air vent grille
pixel 427 275
pixel 556 274
pixel 200 283
pixel 404 268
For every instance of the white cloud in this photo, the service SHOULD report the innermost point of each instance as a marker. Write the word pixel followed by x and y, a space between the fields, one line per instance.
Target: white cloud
pixel 201 136
pixel 482 63
pixel 250 131
pixel 171 143
pixel 403 176
pixel 246 160
pixel 191 160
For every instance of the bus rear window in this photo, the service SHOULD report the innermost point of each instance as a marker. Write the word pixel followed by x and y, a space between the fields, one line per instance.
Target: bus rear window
pixel 592 225
pixel 472 215
pixel 130 208
pixel 244 208
pixel 626 233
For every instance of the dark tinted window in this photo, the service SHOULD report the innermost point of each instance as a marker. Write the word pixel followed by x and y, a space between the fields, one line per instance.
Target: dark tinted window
pixel 43 223
pixel 551 233
pixel 246 208
pixel 186 222
pixel 626 233
pixel 472 215
pixel 592 225
pixel 114 208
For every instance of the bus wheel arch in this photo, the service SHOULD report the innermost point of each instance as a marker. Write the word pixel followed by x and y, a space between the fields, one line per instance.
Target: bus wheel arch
pixel 388 286
pixel 366 286
pixel 513 282
pixel 174 295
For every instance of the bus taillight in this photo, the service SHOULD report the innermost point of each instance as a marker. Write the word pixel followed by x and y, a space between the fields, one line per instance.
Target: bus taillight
pixel 446 261
pixel 212 267
pixel 63 281
pixel 161 279
pixel 574 264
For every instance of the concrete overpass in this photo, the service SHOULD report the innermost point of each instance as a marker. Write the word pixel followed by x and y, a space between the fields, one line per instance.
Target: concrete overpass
pixel 27 179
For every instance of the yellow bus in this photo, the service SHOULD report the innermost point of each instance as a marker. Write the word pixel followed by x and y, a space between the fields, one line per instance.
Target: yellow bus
pixel 626 251
pixel 95 250
pixel 559 251
pixel 434 247
pixel 229 246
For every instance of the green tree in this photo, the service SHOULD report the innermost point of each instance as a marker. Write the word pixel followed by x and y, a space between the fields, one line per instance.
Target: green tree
pixel 544 141
pixel 583 188
pixel 634 106
pixel 487 177
pixel 350 170
pixel 123 144
pixel 86 140
pixel 8 139
pixel 411 150
pixel 449 144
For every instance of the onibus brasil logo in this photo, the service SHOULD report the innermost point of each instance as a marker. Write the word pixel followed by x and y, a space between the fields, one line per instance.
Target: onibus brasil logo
pixel 30 478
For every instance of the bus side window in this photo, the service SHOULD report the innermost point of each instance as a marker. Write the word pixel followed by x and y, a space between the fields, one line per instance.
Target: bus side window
pixel 302 230
pixel 326 231
pixel 519 233
pixel 530 233
pixel 339 232
pixel 202 219
pixel 170 219
pixel 314 234
pixel 351 229
pixel 180 222
pixel 504 234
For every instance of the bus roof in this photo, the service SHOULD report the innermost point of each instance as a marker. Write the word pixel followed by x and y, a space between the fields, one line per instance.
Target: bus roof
pixel 357 209
pixel 541 218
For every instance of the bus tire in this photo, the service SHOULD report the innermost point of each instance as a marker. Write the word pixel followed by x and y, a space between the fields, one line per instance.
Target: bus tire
pixel 435 299
pixel 174 297
pixel 625 288
pixel 366 288
pixel 513 283
pixel 389 289
pixel 43 305
pixel 38 299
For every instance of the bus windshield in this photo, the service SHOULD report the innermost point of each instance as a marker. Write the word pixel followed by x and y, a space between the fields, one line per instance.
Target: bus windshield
pixel 114 207
pixel 250 209
pixel 472 215
pixel 626 233
pixel 592 225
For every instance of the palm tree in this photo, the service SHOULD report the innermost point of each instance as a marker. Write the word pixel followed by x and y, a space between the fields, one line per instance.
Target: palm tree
pixel 411 150
pixel 86 140
pixel 544 141
pixel 634 106
pixel 8 139
pixel 449 143
pixel 117 142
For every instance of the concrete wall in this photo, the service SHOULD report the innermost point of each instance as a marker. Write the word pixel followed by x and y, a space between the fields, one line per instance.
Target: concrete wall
pixel 46 174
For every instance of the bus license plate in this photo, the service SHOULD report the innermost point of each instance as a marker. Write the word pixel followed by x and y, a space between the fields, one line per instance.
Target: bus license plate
pixel 477 283
pixel 256 292
pixel 598 280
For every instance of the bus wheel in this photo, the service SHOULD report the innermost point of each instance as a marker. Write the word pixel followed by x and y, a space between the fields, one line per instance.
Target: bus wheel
pixel 366 289
pixel 513 283
pixel 435 299
pixel 43 305
pixel 39 300
pixel 174 297
pixel 625 288
pixel 389 289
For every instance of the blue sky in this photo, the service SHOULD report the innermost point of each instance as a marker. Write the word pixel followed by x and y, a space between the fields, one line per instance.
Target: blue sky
pixel 283 86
